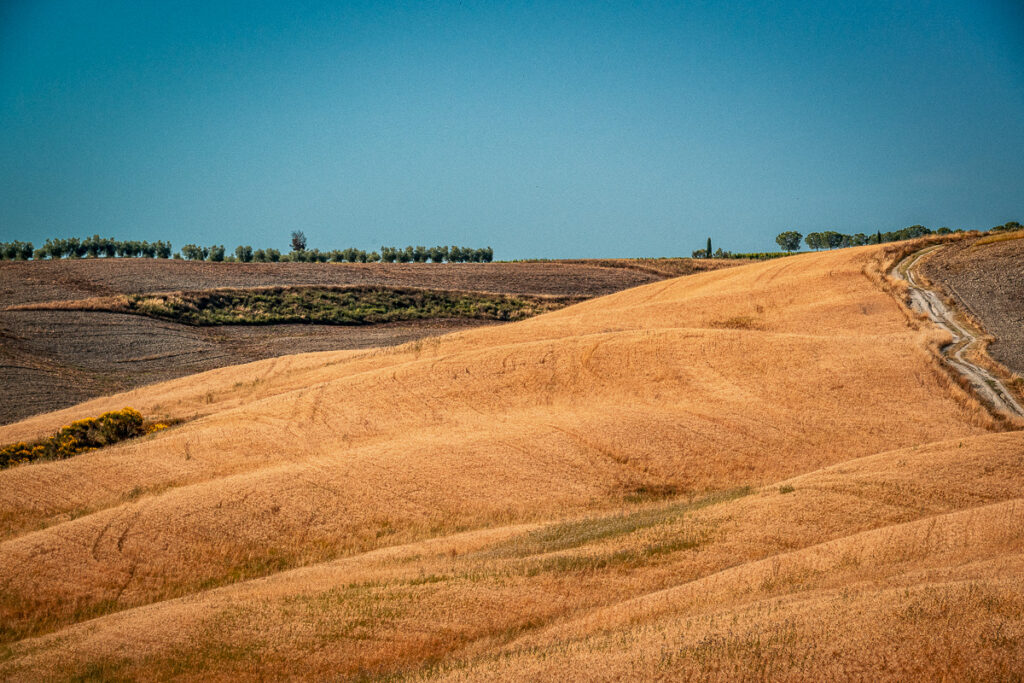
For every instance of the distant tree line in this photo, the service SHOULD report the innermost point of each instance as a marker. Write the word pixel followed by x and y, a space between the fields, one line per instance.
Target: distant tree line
pixel 830 239
pixel 753 255
pixel 450 254
pixel 721 253
pixel 790 240
pixel 91 247
pixel 15 251
pixel 1008 226
pixel 247 254
pixel 96 247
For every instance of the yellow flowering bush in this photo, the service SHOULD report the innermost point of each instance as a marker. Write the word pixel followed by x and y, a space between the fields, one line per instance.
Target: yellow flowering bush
pixel 81 436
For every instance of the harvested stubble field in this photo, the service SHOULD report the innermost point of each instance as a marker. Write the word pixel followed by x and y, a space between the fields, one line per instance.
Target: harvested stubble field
pixel 37 281
pixel 985 276
pixel 51 359
pixel 749 473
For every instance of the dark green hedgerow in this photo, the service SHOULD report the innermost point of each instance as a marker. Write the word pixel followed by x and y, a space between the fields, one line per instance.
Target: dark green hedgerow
pixel 332 306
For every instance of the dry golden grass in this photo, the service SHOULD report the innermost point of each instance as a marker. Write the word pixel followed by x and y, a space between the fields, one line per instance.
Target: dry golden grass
pixel 521 590
pixel 748 472
pixel 1000 237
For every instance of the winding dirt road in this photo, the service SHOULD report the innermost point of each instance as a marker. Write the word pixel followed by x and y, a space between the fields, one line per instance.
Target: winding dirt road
pixel 989 387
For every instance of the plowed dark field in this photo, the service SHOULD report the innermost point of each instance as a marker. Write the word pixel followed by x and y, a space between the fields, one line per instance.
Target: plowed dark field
pixel 988 281
pixel 52 359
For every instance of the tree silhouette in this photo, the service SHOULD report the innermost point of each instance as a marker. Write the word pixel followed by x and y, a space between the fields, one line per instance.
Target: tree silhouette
pixel 789 240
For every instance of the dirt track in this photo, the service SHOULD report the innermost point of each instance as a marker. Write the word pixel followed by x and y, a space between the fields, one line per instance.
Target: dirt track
pixel 987 280
pixel 965 339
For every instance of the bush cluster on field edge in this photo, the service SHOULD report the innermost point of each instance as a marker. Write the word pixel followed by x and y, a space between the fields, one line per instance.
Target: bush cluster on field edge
pixel 81 436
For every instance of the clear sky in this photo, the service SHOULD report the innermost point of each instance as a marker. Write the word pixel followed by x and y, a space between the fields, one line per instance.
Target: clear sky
pixel 543 129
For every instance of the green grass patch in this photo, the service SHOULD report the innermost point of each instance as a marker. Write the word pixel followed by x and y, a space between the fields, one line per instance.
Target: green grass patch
pixel 627 557
pixel 567 535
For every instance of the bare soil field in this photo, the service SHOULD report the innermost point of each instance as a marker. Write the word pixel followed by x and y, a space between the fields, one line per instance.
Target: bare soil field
pixel 759 472
pixel 52 359
pixel 36 281
pixel 987 280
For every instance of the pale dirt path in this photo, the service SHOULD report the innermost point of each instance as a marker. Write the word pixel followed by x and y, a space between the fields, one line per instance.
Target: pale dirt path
pixel 922 299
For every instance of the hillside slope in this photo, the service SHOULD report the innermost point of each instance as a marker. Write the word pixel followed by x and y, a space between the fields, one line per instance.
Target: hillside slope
pixel 468 502
pixel 55 358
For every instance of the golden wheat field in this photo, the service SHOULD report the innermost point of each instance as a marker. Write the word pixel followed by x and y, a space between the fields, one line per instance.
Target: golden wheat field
pixel 758 472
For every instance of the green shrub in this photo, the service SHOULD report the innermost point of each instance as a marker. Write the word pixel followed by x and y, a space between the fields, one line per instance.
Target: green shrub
pixel 359 305
pixel 81 436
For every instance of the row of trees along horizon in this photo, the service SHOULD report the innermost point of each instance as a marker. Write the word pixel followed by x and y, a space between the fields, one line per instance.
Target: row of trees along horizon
pixel 830 239
pixel 96 247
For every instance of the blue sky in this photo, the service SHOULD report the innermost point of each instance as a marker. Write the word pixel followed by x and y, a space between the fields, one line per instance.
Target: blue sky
pixel 543 129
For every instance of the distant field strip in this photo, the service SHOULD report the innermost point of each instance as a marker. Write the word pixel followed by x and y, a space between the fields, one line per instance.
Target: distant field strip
pixel 360 305
pixel 1000 237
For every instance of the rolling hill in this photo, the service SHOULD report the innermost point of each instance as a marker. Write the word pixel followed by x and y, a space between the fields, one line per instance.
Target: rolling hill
pixel 58 348
pixel 758 471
